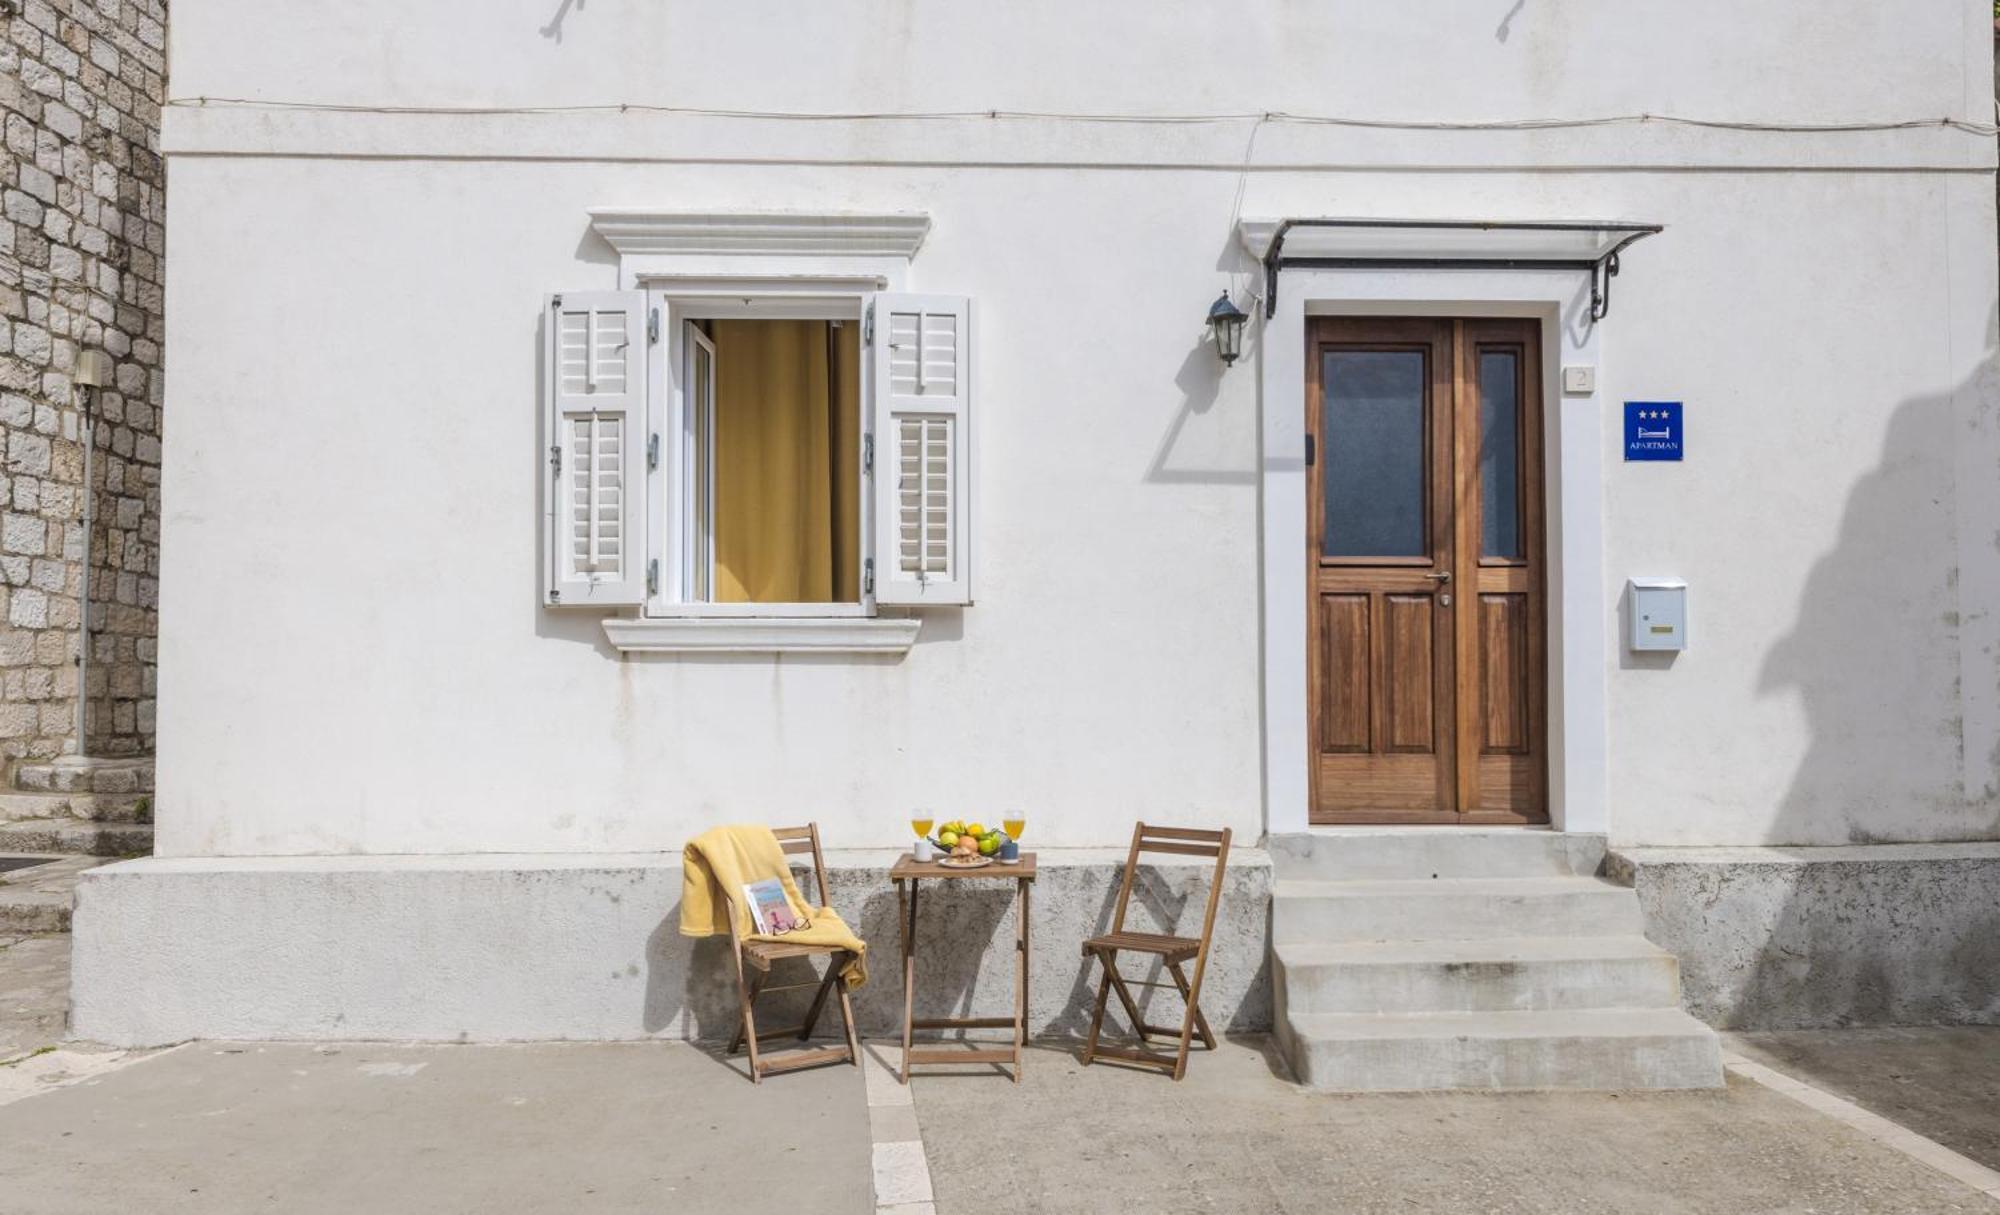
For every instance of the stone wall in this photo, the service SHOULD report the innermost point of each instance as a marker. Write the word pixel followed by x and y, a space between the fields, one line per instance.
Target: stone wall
pixel 483 948
pixel 82 214
pixel 1813 938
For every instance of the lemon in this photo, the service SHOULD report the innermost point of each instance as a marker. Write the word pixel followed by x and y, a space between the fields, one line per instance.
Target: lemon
pixel 975 830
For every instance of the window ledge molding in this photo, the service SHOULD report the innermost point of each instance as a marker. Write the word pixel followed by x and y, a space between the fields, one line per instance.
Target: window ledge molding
pixel 632 232
pixel 762 635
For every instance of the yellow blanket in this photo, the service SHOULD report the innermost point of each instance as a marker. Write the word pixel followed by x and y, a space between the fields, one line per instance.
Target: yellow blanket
pixel 732 858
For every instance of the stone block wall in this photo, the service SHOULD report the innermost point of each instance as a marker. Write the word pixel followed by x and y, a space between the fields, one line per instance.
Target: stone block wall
pixel 82 239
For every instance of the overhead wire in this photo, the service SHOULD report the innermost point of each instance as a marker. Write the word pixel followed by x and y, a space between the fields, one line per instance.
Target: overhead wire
pixel 1966 126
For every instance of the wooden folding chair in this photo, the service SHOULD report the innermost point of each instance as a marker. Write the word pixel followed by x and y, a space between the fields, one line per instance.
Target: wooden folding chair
pixel 758 956
pixel 1170 950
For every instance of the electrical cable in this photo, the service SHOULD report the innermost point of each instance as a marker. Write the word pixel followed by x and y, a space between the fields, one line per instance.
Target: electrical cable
pixel 1983 130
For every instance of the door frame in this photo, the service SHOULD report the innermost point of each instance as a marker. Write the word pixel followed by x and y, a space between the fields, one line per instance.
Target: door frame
pixel 1579 608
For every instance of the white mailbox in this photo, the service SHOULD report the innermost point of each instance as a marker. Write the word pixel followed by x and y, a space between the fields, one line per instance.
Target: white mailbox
pixel 1659 613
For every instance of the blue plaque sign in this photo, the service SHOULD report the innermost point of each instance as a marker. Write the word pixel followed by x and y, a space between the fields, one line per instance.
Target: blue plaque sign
pixel 1653 430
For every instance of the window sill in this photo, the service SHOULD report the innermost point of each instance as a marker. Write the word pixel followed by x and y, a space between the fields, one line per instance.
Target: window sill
pixel 762 635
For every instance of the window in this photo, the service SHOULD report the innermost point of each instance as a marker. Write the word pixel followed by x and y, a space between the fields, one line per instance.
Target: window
pixel 719 453
pixel 772 450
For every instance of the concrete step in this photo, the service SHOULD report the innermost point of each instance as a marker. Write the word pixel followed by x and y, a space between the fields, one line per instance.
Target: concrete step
pixel 1484 975
pixel 1451 909
pixel 76 837
pixel 98 807
pixel 1548 1049
pixel 71 774
pixel 1388 853
pixel 38 891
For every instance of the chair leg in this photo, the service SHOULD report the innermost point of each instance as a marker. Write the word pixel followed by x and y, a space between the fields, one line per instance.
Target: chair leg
pixel 847 1016
pixel 747 994
pixel 1097 1016
pixel 749 997
pixel 1194 1002
pixel 819 997
pixel 1125 996
pixel 1200 1021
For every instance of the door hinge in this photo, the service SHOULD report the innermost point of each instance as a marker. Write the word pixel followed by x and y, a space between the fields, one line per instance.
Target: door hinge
pixel 653 450
pixel 652 326
pixel 653 576
pixel 1312 452
pixel 868 326
pixel 867 454
pixel 868 576
pixel 555 458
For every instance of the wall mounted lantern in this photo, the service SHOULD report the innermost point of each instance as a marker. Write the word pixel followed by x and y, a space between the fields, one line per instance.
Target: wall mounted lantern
pixel 1225 320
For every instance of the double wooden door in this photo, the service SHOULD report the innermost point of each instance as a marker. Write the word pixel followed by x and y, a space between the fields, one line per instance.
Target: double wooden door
pixel 1427 686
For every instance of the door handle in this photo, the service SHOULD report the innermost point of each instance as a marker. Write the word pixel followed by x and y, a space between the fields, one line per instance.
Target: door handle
pixel 1439 576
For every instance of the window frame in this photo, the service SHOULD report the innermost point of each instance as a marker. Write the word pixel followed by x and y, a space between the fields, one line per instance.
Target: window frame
pixel 675 301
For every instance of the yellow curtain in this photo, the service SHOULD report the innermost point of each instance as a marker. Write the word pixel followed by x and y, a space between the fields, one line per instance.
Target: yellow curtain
pixel 787 484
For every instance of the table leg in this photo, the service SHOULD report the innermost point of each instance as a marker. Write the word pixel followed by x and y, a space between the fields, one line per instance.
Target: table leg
pixel 906 910
pixel 1020 977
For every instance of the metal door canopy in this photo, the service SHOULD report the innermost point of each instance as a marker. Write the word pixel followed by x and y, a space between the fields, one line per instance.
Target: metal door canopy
pixel 1443 244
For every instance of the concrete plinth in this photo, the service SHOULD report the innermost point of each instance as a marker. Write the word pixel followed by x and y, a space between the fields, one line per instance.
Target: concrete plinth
pixel 1801 938
pixel 498 948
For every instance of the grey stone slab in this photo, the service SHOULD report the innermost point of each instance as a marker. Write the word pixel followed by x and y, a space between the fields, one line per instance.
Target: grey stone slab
pixel 1943 1082
pixel 1236 1135
pixel 1803 938
pixel 34 993
pixel 578 1127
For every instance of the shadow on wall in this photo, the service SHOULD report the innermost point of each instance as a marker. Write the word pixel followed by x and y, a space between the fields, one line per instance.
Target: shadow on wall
pixel 554 29
pixel 1893 939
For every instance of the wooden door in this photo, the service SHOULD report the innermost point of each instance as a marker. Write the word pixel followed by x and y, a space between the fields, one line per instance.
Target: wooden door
pixel 1427 683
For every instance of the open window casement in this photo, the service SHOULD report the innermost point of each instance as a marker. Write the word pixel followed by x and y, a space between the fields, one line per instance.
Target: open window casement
pixel 595 420
pixel 920 349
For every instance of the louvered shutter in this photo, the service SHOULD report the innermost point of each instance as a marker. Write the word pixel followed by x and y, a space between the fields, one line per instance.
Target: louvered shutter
pixel 594 482
pixel 920 347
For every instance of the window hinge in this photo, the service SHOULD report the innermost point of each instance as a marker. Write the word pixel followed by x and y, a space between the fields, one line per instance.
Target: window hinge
pixel 868 576
pixel 653 450
pixel 555 458
pixel 653 326
pixel 653 576
pixel 867 454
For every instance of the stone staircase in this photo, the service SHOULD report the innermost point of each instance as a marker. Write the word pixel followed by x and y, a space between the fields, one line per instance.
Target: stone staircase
pixel 1454 958
pixel 59 818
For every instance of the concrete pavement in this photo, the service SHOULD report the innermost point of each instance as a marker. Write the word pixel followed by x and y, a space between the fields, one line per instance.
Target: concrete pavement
pixel 1236 1135
pixel 213 1127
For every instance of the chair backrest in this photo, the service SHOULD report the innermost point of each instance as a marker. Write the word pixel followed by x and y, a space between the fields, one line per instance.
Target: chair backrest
pixel 1175 841
pixel 797 841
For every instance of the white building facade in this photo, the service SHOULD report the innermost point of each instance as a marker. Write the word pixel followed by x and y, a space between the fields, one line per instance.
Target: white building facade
pixel 470 609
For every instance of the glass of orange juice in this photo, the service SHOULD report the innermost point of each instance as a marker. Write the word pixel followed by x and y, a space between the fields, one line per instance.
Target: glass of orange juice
pixel 1014 825
pixel 920 822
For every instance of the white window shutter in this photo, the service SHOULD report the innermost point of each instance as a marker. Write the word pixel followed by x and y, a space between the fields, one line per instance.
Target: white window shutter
pixel 920 348
pixel 594 466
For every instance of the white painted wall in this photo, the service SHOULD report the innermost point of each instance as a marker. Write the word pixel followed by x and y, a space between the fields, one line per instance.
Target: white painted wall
pixel 353 656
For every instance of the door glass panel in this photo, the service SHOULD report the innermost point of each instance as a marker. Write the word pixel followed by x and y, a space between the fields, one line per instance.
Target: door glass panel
pixel 1373 465
pixel 1499 454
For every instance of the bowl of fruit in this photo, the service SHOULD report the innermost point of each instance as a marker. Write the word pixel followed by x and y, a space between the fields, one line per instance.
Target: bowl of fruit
pixel 968 845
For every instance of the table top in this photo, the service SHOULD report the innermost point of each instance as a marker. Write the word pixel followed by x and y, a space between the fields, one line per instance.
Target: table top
pixel 908 866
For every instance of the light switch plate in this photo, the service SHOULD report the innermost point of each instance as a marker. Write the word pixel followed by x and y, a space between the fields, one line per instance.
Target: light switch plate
pixel 1580 380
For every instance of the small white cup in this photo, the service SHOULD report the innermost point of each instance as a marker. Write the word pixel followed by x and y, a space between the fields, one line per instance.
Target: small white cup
pixel 924 850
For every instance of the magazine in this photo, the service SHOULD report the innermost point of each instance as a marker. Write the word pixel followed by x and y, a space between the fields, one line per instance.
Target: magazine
pixel 770 910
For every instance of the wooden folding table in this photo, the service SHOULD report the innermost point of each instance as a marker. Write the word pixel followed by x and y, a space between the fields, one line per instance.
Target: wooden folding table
pixel 908 874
